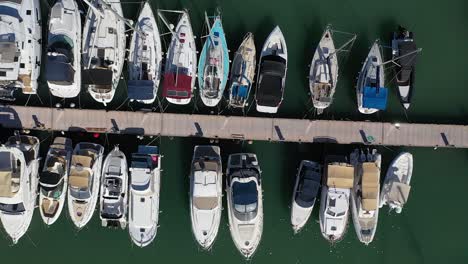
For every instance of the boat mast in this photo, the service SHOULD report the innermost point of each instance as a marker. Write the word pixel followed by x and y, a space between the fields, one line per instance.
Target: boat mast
pixel 109 7
pixel 400 57
pixel 166 23
pixel 344 45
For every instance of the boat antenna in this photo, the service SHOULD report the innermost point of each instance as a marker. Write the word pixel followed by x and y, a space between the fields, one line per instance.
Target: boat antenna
pixel 400 57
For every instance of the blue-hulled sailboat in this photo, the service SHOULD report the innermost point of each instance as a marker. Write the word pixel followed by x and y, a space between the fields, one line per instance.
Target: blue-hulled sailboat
pixel 242 72
pixel 370 90
pixel 213 66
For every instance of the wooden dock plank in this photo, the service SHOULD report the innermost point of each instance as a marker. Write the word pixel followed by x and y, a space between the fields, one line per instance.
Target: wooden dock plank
pixel 234 127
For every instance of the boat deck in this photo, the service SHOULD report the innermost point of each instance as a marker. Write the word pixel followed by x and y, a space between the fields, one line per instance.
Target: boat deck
pixel 234 127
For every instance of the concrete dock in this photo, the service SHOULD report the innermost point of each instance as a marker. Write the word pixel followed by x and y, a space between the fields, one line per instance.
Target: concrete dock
pixel 234 127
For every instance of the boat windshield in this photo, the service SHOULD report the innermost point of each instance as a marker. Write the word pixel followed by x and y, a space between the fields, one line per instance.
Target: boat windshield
pixel 333 210
pixel 54 192
pixel 12 208
pixel 82 193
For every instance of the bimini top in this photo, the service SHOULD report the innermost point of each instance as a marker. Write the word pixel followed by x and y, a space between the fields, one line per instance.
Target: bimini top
pixel 272 72
pixel 340 176
pixel 97 77
pixel 141 89
pixel 309 187
pixel 59 70
pixel 406 47
pixel 370 186
pixel 177 86
pixel 375 97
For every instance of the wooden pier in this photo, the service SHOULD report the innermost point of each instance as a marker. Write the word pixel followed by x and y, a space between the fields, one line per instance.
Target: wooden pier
pixel 233 127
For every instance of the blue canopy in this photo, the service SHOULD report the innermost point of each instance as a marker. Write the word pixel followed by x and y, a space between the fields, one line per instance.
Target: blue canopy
pixel 245 193
pixel 240 90
pixel 375 98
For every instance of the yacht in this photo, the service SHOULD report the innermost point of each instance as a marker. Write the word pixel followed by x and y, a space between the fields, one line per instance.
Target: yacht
pixel 242 72
pixel 404 53
pixel 114 187
pixel 21 49
pixel 63 64
pixel 103 48
pixel 83 182
pixel 305 193
pixel 245 202
pixel 144 59
pixel 213 65
pixel 271 77
pixel 370 91
pixel 145 175
pixel 206 194
pixel 323 75
pixel 335 197
pixel 53 180
pixel 19 167
pixel 365 193
pixel 181 63
pixel 396 186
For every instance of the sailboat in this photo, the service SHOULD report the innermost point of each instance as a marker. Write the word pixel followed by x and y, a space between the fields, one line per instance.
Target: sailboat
pixel 271 77
pixel 145 175
pixel 242 72
pixel 305 193
pixel 181 62
pixel 245 202
pixel 114 187
pixel 206 181
pixel 404 54
pixel 213 65
pixel 335 197
pixel 19 167
pixel 84 182
pixel 53 180
pixel 63 64
pixel 145 59
pixel 396 186
pixel 365 193
pixel 370 91
pixel 103 48
pixel 323 75
pixel 21 49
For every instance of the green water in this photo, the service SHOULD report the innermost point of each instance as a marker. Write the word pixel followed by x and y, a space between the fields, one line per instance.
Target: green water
pixel 431 228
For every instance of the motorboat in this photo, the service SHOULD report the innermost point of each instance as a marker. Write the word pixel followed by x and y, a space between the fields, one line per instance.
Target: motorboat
pixel 206 194
pixel 63 63
pixel 19 167
pixel 84 182
pixel 323 75
pixel 396 186
pixel 145 58
pixel 365 193
pixel 181 63
pixel 370 91
pixel 245 202
pixel 103 49
pixel 21 49
pixel 53 180
pixel 404 54
pixel 213 65
pixel 335 198
pixel 271 77
pixel 242 72
pixel 305 193
pixel 114 187
pixel 145 178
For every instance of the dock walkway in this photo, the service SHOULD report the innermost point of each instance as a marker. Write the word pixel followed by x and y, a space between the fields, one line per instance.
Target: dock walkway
pixel 234 127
